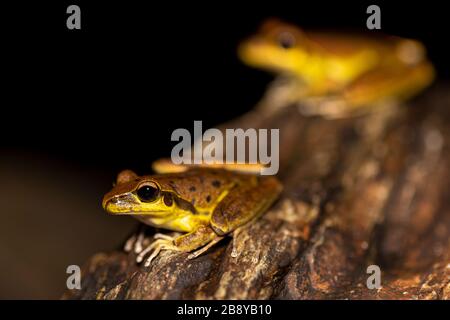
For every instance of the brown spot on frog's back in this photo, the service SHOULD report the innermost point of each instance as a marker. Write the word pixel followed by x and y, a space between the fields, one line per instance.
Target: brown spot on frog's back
pixel 216 184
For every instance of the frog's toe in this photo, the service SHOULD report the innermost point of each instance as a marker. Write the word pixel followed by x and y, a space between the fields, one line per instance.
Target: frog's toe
pixel 138 244
pixel 156 247
pixel 135 243
pixel 130 243
pixel 154 254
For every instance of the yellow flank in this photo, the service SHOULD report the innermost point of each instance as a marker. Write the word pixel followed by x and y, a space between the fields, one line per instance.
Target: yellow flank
pixel 320 69
pixel 205 203
pixel 176 222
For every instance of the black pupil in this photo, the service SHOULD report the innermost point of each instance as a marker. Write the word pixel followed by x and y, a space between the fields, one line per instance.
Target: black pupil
pixel 286 40
pixel 147 193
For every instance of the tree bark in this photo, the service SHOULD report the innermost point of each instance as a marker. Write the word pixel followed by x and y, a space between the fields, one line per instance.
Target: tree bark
pixel 359 191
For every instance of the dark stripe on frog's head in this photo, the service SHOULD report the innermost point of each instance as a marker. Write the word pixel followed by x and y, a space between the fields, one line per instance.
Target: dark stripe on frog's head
pixel 185 205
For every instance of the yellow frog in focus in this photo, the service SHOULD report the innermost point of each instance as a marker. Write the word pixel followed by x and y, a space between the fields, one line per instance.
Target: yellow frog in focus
pixel 204 203
pixel 335 74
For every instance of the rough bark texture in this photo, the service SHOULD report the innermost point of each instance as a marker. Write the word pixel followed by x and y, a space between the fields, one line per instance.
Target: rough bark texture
pixel 361 191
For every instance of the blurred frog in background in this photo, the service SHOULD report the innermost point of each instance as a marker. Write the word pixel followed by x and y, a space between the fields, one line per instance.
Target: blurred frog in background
pixel 336 75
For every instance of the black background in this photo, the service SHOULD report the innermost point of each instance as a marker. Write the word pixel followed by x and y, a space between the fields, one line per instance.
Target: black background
pixel 136 72
pixel 80 105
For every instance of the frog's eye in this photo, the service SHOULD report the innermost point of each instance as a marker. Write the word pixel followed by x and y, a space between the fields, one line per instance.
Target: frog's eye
pixel 286 40
pixel 148 193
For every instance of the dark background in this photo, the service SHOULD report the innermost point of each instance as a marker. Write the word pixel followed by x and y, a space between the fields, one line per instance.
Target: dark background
pixel 80 105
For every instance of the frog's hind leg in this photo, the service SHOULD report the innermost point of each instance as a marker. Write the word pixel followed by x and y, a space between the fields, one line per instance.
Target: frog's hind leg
pixel 245 203
pixel 163 236
pixel 165 165
pixel 389 84
pixel 200 240
pixel 382 87
pixel 205 248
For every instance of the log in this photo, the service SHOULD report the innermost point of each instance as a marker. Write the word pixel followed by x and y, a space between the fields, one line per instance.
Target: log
pixel 368 190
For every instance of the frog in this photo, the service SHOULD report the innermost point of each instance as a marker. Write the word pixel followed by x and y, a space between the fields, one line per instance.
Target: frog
pixel 336 74
pixel 201 204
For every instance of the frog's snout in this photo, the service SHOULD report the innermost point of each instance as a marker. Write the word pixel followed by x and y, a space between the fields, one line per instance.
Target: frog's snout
pixel 105 202
pixel 117 204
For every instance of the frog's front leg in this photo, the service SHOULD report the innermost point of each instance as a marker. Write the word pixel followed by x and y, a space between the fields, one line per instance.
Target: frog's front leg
pixel 200 238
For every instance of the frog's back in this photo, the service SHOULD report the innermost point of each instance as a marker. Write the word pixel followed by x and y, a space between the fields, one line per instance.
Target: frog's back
pixel 342 43
pixel 199 186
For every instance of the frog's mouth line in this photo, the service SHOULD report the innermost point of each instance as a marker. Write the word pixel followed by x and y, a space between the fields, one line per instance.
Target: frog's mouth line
pixel 118 207
pixel 138 214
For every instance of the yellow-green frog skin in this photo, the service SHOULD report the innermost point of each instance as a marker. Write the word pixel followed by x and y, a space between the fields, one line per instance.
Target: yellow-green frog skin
pixel 205 204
